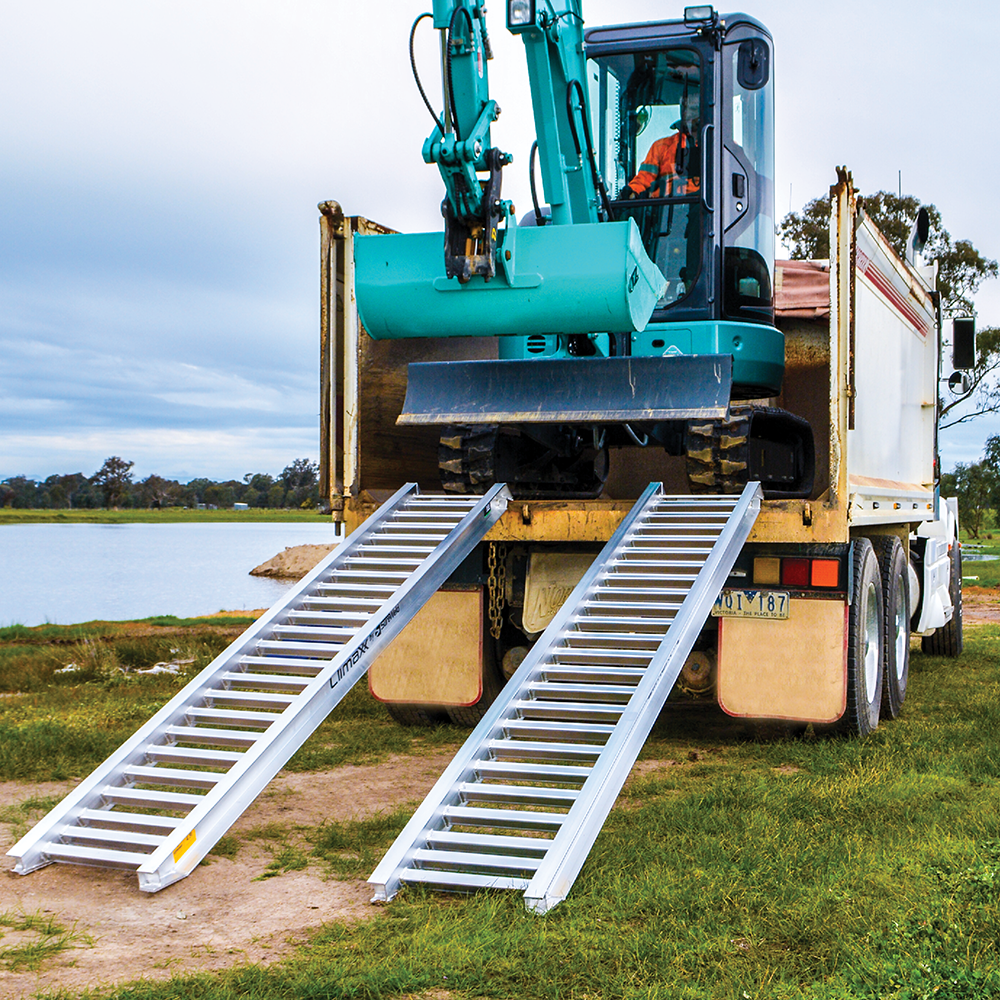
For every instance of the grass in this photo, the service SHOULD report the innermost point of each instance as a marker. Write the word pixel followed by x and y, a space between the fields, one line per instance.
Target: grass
pixel 169 515
pixel 733 868
pixel 28 939
pixel 984 573
pixel 57 724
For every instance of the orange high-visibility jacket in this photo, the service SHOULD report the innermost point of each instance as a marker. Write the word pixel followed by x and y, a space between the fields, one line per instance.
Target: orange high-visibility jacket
pixel 658 173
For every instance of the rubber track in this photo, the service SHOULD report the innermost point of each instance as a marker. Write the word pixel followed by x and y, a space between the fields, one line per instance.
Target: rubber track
pixel 467 458
pixel 717 453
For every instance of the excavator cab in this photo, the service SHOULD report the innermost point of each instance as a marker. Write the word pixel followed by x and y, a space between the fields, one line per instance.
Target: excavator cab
pixel 684 134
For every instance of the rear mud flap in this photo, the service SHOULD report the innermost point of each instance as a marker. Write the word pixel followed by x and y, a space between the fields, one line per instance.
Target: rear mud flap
pixel 565 390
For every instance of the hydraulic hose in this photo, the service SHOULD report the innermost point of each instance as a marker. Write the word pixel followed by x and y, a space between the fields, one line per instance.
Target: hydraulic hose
pixel 540 220
pixel 574 87
pixel 416 74
pixel 451 89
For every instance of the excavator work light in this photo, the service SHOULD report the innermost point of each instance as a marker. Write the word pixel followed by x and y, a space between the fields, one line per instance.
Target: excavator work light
pixel 520 13
pixel 704 14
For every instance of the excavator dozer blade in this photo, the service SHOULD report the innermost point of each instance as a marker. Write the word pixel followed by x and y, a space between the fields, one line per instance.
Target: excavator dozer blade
pixel 550 279
pixel 568 390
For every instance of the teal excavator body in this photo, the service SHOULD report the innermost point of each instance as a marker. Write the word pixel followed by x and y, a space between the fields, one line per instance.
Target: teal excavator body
pixel 639 296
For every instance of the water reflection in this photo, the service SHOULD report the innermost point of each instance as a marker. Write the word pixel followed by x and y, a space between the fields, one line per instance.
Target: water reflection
pixel 69 573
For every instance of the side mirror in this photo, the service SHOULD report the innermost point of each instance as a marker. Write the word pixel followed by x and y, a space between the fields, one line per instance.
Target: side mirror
pixel 753 64
pixel 959 383
pixel 963 343
pixel 918 236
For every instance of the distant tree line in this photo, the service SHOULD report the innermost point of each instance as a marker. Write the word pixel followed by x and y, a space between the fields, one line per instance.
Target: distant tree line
pixel 113 485
pixel 977 486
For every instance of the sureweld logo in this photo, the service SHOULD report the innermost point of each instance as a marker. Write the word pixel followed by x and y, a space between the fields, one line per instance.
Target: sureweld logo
pixel 363 647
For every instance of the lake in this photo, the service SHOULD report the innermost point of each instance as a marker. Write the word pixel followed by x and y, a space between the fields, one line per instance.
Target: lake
pixel 70 573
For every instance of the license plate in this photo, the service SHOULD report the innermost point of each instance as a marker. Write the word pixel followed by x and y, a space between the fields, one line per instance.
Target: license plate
pixel 751 604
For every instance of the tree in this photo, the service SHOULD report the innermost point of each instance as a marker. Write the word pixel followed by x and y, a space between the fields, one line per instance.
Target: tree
pixel 961 267
pixel 155 491
pixel 300 480
pixel 976 486
pixel 114 479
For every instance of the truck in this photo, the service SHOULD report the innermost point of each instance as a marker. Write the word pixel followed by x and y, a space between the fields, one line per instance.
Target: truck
pixel 587 461
pixel 831 402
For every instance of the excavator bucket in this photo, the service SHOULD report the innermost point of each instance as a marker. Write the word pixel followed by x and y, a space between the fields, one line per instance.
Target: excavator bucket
pixel 552 279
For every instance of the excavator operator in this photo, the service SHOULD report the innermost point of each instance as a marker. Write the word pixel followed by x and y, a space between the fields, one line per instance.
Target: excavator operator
pixel 672 165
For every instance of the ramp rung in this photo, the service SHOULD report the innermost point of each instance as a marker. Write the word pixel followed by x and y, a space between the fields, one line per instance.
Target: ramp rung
pixel 520 771
pixel 101 857
pixel 314 633
pixel 530 729
pixel 140 798
pixel 564 655
pixel 265 682
pixel 248 699
pixel 598 639
pixel 473 862
pixel 607 693
pixel 328 617
pixel 472 791
pixel 650 609
pixel 126 822
pixel 463 880
pixel 231 717
pixel 191 755
pixel 489 843
pixel 160 802
pixel 119 840
pixel 170 776
pixel 290 664
pixel 537 708
pixel 320 650
pixel 499 819
pixel 532 750
pixel 207 736
pixel 579 673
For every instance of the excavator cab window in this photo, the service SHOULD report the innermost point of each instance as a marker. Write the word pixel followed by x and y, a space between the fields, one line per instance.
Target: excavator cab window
pixel 747 177
pixel 649 132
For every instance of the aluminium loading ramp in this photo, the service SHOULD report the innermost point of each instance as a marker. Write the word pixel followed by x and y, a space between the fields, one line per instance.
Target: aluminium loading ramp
pixel 163 799
pixel 523 801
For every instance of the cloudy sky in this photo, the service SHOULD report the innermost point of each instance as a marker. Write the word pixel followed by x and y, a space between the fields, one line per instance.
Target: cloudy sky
pixel 161 162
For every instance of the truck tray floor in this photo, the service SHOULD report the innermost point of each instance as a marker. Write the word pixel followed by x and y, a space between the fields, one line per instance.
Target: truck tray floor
pixel 523 801
pixel 163 799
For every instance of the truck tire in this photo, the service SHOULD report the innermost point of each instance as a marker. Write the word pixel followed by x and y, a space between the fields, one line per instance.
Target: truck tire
pixel 416 715
pixel 896 639
pixel 865 640
pixel 947 640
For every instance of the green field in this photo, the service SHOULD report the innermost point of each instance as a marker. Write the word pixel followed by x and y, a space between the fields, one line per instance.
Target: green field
pixel 169 515
pixel 739 865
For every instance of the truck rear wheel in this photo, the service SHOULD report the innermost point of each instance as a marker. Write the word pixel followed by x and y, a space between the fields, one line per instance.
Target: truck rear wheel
pixel 947 640
pixel 865 640
pixel 416 715
pixel 896 640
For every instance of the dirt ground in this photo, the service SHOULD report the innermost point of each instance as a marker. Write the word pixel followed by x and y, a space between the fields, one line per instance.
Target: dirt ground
pixel 221 915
